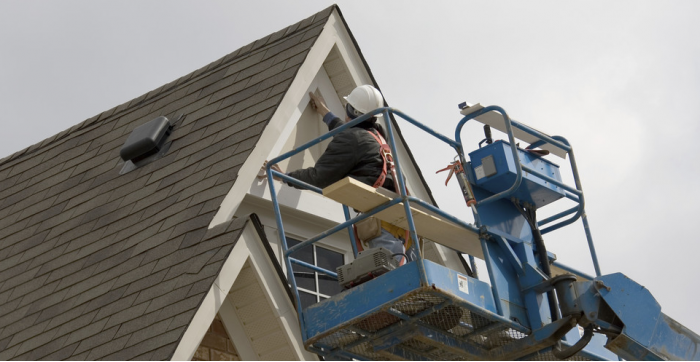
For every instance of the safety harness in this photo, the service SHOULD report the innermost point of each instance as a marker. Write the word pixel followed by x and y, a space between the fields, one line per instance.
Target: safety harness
pixel 387 158
pixel 388 167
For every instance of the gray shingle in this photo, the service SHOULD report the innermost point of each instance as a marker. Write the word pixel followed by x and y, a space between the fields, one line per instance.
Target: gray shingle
pixel 4 296
pixel 160 206
pixel 147 345
pixel 193 237
pixel 35 342
pixel 111 215
pixel 208 80
pixel 31 286
pixel 28 196
pixel 192 224
pixel 208 195
pixel 238 96
pixel 96 340
pixel 211 118
pixel 163 353
pixel 42 216
pixel 136 274
pixel 59 355
pixel 107 348
pixel 8 353
pixel 123 267
pixel 65 270
pixel 38 300
pixel 197 270
pixel 17 234
pixel 149 238
pixel 166 299
pixel 283 45
pixel 78 357
pixel 17 321
pixel 133 325
pixel 66 317
pixel 163 249
pixel 4 342
pixel 58 262
pixel 57 309
pixel 177 218
pixel 13 190
pixel 201 286
pixel 28 333
pixel 43 351
pixel 84 286
pixel 128 188
pixel 13 279
pixel 149 332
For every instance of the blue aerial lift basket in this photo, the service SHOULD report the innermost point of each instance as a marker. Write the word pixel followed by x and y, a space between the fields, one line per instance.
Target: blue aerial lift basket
pixel 425 311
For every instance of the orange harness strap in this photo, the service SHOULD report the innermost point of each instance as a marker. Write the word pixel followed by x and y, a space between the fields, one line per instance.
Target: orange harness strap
pixel 385 152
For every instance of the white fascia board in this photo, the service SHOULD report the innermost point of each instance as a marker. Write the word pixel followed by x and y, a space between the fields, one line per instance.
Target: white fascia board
pixel 279 126
pixel 275 292
pixel 213 300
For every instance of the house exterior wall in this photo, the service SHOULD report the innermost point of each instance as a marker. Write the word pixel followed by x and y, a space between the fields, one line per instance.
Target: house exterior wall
pixel 216 345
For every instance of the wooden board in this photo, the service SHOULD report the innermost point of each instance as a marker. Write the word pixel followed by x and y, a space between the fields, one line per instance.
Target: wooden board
pixel 363 197
pixel 495 120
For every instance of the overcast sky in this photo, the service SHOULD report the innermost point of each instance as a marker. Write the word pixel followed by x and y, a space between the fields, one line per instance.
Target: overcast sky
pixel 619 80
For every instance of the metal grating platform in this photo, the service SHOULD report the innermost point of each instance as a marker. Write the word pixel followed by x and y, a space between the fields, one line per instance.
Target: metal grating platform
pixel 376 336
pixel 413 322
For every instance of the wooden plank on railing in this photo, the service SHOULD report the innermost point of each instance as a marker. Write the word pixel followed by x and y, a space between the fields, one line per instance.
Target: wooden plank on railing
pixel 362 197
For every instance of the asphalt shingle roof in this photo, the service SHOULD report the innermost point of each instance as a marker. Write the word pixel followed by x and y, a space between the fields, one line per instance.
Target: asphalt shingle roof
pixel 98 265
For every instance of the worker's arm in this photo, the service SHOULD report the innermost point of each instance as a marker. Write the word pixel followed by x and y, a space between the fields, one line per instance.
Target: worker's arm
pixel 318 105
pixel 335 163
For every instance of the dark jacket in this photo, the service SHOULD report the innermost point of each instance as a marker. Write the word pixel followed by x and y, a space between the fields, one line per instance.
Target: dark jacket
pixel 352 152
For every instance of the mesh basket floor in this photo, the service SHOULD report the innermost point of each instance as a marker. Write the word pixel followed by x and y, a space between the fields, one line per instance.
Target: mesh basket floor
pixel 456 321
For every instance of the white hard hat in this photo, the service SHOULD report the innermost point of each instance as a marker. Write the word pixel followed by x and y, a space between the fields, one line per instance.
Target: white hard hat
pixel 365 98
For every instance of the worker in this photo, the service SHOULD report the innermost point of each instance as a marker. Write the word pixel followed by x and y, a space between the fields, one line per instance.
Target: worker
pixel 355 152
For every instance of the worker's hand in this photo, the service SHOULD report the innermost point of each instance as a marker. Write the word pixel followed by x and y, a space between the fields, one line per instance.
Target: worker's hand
pixel 263 172
pixel 318 104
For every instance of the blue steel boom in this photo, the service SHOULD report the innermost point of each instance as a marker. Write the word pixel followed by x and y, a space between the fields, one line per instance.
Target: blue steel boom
pixel 424 311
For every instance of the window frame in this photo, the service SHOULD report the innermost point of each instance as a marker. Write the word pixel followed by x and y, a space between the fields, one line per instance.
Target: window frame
pixel 317 294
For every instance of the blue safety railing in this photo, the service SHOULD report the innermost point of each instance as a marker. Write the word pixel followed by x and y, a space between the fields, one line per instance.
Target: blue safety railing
pixel 575 194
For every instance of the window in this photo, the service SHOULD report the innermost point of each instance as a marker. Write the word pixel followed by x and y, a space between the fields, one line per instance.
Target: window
pixel 314 287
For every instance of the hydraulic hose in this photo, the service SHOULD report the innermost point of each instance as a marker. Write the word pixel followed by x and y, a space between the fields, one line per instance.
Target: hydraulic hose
pixel 530 216
pixel 576 348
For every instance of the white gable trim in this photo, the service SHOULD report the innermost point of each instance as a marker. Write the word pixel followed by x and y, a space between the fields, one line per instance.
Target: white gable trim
pixel 283 121
pixel 248 250
pixel 291 107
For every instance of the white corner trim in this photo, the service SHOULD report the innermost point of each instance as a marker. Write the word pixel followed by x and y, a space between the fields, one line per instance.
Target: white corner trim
pixel 280 122
pixel 212 301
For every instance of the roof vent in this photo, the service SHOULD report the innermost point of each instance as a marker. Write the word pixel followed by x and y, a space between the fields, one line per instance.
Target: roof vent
pixel 146 140
pixel 147 143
